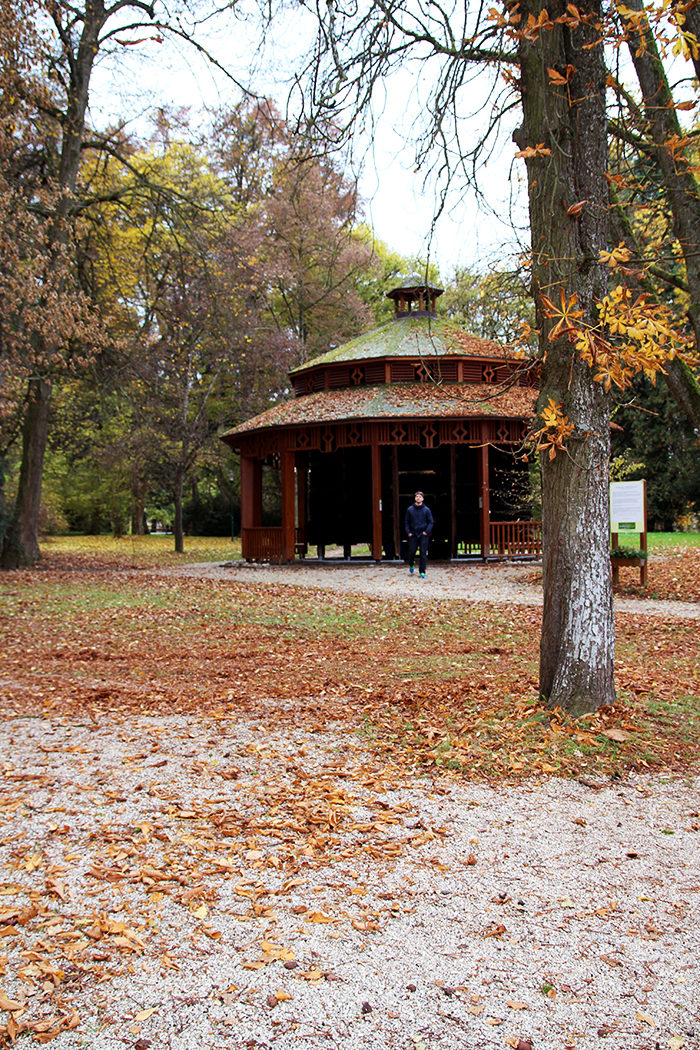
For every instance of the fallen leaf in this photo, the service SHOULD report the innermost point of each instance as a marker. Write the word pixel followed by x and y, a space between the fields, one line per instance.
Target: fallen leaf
pixel 10 1004
pixel 318 916
pixel 145 1014
pixel 645 1018
pixel 618 735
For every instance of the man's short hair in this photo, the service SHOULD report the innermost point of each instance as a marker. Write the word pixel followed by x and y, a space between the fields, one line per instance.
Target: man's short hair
pixel 419 493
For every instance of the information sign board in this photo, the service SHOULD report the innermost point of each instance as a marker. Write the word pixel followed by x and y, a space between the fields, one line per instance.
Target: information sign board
pixel 628 506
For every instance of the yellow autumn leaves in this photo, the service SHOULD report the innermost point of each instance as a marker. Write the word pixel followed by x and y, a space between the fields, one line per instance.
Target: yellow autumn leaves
pixel 633 336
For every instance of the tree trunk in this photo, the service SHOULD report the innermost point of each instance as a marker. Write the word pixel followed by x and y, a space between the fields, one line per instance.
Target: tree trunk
pixel 138 506
pixel 662 128
pixel 179 529
pixel 21 544
pixel 685 389
pixel 577 645
pixel 682 383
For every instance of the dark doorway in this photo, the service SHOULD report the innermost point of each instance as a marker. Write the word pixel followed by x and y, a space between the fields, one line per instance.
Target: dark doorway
pixel 340 498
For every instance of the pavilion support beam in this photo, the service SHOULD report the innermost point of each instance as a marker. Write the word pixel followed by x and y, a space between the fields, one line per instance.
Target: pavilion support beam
pixel 251 501
pixel 395 507
pixel 301 461
pixel 251 492
pixel 453 501
pixel 376 500
pixel 288 505
pixel 484 495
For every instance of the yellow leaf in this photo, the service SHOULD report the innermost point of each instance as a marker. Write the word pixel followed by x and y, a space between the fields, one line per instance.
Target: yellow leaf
pixel 10 1004
pixel 200 912
pixel 145 1014
pixel 318 916
pixel 282 997
pixel 645 1018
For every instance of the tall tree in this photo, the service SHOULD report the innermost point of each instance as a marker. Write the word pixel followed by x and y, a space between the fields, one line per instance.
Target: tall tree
pixel 65 41
pixel 651 129
pixel 552 58
pixel 181 265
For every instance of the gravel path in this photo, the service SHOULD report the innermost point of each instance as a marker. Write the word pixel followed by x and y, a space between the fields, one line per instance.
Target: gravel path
pixel 237 883
pixel 518 583
pixel 271 885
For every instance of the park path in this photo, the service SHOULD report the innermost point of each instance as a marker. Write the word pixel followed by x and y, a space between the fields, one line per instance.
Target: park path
pixel 512 583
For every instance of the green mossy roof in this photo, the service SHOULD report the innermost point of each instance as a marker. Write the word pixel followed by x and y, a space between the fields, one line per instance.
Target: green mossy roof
pixel 417 337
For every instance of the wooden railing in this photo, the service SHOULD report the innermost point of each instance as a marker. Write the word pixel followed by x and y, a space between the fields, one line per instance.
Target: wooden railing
pixel 515 539
pixel 263 543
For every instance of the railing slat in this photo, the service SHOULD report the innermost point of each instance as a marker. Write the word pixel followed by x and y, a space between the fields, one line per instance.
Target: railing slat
pixel 515 539
pixel 262 543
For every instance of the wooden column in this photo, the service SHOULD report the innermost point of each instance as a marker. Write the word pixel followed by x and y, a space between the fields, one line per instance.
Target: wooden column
pixel 396 507
pixel 453 501
pixel 251 501
pixel 288 504
pixel 301 461
pixel 484 494
pixel 251 492
pixel 376 500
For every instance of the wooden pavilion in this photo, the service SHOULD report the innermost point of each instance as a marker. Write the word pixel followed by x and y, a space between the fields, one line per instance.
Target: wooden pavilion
pixel 415 404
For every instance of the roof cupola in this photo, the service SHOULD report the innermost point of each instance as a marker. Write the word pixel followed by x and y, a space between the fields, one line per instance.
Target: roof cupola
pixel 414 298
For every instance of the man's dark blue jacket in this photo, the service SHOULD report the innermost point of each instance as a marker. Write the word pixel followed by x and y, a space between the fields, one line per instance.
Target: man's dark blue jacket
pixel 419 519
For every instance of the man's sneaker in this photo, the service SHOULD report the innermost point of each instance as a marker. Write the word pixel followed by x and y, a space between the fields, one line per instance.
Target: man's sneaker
pixel 422 576
pixel 411 570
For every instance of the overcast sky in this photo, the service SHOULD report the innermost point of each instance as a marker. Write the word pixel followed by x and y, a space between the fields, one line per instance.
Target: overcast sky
pixel 398 207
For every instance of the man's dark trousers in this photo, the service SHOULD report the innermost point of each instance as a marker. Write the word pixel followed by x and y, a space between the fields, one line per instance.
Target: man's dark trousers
pixel 413 542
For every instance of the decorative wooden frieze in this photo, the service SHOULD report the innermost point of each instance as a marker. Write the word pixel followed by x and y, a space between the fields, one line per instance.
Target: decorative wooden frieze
pixel 423 372
pixel 428 436
pixel 328 439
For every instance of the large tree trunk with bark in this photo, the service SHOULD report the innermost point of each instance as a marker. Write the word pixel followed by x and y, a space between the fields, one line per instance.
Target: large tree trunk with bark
pixel 139 488
pixel 569 120
pixel 21 544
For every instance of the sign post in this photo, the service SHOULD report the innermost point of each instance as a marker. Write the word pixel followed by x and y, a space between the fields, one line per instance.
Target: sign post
pixel 628 513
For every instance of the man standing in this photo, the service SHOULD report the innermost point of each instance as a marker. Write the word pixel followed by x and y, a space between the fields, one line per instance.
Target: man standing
pixel 418 525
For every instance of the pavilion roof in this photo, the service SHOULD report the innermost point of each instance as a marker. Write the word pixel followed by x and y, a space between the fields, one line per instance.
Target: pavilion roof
pixel 408 401
pixel 421 336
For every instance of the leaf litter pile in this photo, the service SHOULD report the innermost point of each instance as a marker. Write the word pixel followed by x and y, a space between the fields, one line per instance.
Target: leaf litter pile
pixel 249 815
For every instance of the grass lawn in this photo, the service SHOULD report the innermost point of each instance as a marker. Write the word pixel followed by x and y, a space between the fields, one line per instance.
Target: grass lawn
pixel 430 684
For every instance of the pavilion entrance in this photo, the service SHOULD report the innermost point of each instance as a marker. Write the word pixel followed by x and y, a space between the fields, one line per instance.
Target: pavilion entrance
pixel 334 500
